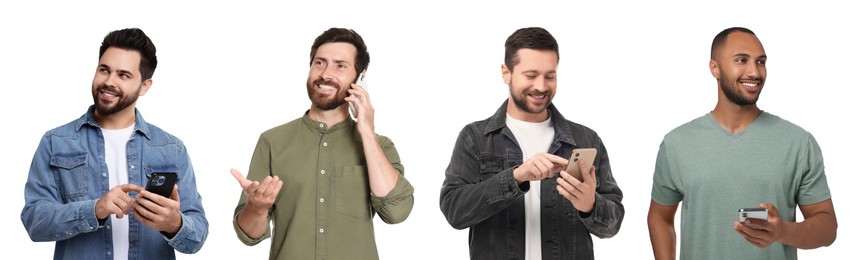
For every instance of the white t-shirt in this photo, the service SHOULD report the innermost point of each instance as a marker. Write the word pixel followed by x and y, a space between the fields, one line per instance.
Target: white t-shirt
pixel 115 142
pixel 532 138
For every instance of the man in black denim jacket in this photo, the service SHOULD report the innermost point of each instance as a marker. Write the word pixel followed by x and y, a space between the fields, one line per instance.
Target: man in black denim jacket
pixel 487 179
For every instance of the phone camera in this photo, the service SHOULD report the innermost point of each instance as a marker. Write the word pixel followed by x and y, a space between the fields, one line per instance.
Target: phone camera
pixel 159 180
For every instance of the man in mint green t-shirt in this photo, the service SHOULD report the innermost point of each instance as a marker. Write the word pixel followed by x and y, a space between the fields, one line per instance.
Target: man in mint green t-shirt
pixel 736 157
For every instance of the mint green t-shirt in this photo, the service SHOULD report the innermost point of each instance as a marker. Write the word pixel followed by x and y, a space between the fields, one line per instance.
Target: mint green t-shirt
pixel 714 173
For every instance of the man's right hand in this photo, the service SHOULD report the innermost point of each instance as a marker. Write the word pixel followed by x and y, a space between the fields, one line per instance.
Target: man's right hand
pixel 541 166
pixel 116 201
pixel 260 196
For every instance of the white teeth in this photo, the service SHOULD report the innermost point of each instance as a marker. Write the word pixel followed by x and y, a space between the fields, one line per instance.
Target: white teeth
pixel 749 84
pixel 538 96
pixel 326 87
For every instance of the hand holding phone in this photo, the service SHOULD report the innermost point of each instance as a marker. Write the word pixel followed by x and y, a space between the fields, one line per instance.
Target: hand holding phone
pixel 588 154
pixel 362 83
pixel 756 213
pixel 162 183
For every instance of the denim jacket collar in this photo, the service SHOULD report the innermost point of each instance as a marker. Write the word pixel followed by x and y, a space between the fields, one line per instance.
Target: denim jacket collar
pixel 562 129
pixel 88 119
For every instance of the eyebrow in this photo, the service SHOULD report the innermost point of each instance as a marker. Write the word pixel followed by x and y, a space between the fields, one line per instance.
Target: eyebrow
pixel 334 61
pixel 538 72
pixel 120 71
pixel 748 55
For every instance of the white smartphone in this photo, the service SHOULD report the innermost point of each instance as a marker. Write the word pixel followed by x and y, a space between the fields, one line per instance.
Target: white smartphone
pixel 757 213
pixel 362 83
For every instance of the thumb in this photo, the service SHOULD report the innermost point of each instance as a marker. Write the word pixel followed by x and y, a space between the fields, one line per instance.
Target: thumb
pixel 587 170
pixel 175 194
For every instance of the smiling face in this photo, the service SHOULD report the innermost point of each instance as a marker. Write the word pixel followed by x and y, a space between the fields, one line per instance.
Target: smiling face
pixel 532 84
pixel 740 68
pixel 118 82
pixel 331 74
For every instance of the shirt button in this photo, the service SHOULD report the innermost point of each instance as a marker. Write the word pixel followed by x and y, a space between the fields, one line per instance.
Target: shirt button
pixel 325 144
pixel 321 199
pixel 321 125
pixel 104 174
pixel 132 166
pixel 108 227
pixel 321 230
pixel 109 253
pixel 323 171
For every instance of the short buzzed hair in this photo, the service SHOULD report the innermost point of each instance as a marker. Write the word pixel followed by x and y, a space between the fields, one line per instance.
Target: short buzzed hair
pixel 722 37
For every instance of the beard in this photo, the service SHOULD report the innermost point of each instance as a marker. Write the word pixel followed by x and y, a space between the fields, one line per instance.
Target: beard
pixel 102 108
pixel 326 103
pixel 520 101
pixel 732 91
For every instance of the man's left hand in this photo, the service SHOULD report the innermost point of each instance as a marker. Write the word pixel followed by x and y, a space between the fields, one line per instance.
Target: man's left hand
pixel 766 231
pixel 581 194
pixel 162 214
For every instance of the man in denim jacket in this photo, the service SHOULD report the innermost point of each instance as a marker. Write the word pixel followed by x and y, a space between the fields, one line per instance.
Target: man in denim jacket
pixel 86 176
pixel 525 209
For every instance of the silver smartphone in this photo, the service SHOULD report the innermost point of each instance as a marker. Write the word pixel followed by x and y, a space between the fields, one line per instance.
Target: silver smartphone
pixel 360 81
pixel 757 213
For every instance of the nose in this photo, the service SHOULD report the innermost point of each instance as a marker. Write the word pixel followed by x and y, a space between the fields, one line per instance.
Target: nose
pixel 753 71
pixel 110 80
pixel 539 84
pixel 327 73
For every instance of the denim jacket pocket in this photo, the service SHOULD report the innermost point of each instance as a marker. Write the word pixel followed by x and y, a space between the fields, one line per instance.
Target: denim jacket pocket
pixel 71 174
pixel 490 165
pixel 351 191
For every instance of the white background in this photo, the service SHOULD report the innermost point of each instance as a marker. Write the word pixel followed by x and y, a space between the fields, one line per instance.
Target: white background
pixel 632 71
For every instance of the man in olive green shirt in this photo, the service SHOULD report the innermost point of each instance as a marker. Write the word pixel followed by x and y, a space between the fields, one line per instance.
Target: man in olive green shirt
pixel 335 173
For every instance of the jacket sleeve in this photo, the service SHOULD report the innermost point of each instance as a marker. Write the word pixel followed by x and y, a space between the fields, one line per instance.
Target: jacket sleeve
pixel 195 227
pixel 467 199
pixel 45 216
pixel 608 212
pixel 397 204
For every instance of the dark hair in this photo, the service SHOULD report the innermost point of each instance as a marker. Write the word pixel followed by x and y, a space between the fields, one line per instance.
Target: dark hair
pixel 722 37
pixel 135 40
pixel 343 35
pixel 528 38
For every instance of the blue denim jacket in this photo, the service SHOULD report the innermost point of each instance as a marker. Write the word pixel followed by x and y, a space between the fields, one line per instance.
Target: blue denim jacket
pixel 480 193
pixel 68 175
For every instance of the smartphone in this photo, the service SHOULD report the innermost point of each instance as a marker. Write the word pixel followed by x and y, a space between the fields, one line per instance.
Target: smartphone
pixel 162 183
pixel 360 81
pixel 757 213
pixel 588 154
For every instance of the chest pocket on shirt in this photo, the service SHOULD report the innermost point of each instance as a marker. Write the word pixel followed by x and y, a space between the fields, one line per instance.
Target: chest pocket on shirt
pixel 351 191
pixel 490 165
pixel 71 175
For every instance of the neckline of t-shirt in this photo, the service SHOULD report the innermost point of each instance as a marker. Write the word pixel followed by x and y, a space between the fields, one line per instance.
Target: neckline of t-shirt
pixel 739 135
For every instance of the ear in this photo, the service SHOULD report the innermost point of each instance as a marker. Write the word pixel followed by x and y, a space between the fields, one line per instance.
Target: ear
pixel 145 87
pixel 507 74
pixel 714 69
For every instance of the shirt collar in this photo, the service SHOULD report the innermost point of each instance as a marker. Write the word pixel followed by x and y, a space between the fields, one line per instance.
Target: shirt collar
pixel 88 119
pixel 562 128
pixel 322 127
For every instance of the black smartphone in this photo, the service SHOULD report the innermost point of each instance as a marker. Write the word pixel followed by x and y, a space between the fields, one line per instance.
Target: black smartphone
pixel 162 183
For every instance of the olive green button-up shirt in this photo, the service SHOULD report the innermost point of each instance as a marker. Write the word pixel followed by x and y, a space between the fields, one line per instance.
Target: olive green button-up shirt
pixel 325 209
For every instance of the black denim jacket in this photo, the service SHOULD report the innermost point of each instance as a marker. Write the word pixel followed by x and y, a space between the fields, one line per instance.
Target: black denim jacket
pixel 480 193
